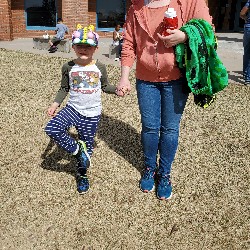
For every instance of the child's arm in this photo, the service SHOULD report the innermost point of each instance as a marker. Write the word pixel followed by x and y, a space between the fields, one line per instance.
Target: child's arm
pixel 243 13
pixel 56 29
pixel 106 87
pixel 63 90
pixel 115 38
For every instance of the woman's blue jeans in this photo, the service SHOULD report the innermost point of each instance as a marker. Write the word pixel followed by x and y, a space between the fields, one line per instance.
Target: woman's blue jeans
pixel 246 56
pixel 161 106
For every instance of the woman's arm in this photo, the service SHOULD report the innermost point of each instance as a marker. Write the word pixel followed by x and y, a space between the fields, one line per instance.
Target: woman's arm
pixel 193 9
pixel 129 42
pixel 175 37
pixel 128 55
pixel 124 86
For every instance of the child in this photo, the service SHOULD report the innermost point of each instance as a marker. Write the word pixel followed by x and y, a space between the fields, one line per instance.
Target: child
pixel 61 30
pixel 117 39
pixel 84 79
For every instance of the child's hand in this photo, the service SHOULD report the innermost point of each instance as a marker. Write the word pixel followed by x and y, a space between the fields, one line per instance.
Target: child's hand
pixel 51 112
pixel 123 87
pixel 52 109
pixel 175 37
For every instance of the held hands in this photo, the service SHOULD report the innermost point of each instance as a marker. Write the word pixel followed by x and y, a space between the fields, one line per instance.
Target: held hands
pixel 52 109
pixel 123 87
pixel 175 37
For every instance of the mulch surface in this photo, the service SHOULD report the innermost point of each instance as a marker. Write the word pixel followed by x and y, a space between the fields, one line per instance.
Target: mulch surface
pixel 41 209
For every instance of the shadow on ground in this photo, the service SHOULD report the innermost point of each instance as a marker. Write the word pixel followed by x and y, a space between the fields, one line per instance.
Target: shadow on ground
pixel 230 39
pixel 236 76
pixel 112 131
pixel 53 158
pixel 106 55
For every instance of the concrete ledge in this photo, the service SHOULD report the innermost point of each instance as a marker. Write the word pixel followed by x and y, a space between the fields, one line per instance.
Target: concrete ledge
pixel 42 44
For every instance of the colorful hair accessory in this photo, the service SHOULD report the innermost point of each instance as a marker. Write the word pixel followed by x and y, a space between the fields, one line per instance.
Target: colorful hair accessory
pixel 78 26
pixel 85 35
pixel 91 27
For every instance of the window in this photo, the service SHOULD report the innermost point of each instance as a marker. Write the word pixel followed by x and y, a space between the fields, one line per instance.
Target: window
pixel 110 12
pixel 40 14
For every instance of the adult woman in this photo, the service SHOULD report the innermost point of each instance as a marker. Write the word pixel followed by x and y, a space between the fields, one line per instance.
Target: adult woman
pixel 159 82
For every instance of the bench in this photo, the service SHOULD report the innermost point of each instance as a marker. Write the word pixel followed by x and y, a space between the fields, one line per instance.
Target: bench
pixel 42 43
pixel 113 51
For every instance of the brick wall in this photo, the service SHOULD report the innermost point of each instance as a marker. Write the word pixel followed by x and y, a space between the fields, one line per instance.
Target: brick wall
pixel 13 23
pixel 74 12
pixel 19 22
pixel 5 23
pixel 83 12
pixel 18 18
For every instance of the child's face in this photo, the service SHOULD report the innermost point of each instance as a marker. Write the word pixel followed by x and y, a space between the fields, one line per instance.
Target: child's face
pixel 117 28
pixel 84 51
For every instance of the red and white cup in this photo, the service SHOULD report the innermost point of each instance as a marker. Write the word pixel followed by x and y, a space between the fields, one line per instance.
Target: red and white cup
pixel 170 21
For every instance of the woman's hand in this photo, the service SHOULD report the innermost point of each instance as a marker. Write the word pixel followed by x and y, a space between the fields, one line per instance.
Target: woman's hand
pixel 175 37
pixel 123 87
pixel 52 109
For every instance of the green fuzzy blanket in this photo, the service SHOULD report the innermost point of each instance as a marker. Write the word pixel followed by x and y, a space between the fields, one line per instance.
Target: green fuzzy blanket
pixel 205 73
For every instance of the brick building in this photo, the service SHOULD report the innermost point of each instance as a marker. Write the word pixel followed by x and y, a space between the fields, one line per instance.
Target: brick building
pixel 29 18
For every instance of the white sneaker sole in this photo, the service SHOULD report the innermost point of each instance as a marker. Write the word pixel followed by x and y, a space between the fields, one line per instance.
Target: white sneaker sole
pixel 147 191
pixel 164 198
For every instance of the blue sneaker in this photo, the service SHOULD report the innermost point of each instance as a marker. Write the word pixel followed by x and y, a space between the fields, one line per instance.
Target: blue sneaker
pixel 164 187
pixel 83 158
pixel 147 182
pixel 82 182
pixel 83 163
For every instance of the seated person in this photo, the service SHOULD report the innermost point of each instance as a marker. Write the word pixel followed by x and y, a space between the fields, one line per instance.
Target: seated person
pixel 61 30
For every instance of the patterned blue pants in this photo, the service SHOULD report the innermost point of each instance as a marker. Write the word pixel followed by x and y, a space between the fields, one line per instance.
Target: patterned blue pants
pixel 57 129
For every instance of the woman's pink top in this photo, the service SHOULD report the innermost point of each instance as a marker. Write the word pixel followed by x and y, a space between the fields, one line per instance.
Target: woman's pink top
pixel 155 62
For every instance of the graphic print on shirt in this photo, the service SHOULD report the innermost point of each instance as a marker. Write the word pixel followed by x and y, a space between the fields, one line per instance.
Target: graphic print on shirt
pixel 85 82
